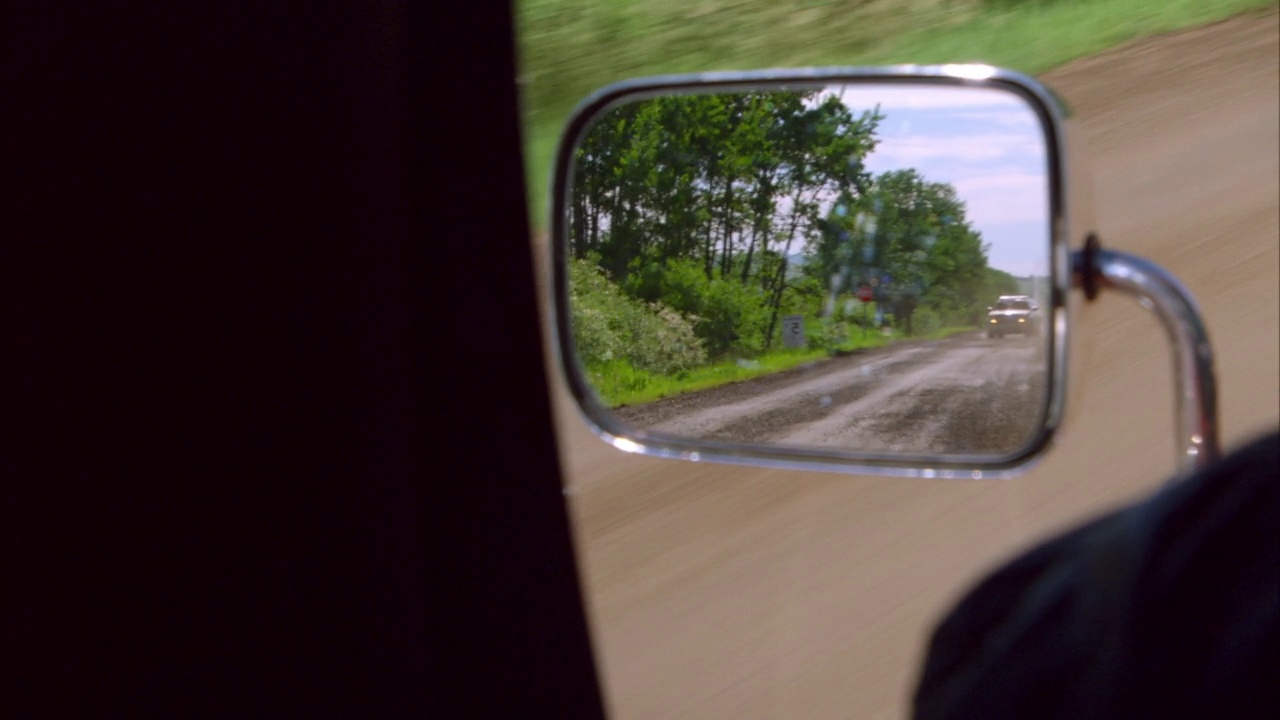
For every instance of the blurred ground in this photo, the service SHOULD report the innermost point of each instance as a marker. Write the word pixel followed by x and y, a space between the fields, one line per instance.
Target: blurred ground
pixel 966 393
pixel 721 592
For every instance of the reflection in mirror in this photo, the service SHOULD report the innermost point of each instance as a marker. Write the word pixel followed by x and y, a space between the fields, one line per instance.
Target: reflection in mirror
pixel 862 268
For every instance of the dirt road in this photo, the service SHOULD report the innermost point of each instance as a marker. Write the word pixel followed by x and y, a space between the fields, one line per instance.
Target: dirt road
pixel 721 592
pixel 967 394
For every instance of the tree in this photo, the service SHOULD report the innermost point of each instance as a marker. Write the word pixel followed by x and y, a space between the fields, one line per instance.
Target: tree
pixel 909 237
pixel 698 201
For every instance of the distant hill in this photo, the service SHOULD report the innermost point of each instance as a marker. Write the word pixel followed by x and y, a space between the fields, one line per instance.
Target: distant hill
pixel 795 265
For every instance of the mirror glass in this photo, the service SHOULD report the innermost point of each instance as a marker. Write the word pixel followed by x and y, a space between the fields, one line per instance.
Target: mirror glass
pixel 861 267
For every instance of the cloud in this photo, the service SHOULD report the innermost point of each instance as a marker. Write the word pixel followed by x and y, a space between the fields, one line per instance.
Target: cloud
pixel 1021 118
pixel 1005 198
pixel 926 97
pixel 911 149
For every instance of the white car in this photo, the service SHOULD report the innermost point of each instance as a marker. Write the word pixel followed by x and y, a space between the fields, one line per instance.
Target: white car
pixel 1013 315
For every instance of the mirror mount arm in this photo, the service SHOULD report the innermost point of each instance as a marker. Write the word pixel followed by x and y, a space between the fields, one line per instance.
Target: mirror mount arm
pixel 1094 268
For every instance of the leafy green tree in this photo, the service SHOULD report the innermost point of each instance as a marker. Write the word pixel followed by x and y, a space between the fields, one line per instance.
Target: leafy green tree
pixel 912 232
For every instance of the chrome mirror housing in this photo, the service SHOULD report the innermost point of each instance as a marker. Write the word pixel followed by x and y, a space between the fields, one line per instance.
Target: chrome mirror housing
pixel 789 268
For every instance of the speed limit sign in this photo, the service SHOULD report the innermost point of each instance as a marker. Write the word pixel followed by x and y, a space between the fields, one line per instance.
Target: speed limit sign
pixel 793 331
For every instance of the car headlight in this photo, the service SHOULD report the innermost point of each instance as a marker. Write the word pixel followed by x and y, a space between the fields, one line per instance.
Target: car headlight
pixel 1022 319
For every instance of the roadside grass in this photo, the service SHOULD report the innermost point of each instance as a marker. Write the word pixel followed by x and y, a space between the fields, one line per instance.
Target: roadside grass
pixel 619 384
pixel 953 330
pixel 569 48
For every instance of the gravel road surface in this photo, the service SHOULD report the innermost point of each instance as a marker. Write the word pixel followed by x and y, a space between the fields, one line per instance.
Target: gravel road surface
pixel 963 394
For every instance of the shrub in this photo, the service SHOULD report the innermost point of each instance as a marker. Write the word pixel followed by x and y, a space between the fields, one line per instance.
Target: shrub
pixel 610 327
pixel 727 314
pixel 925 322
pixel 832 334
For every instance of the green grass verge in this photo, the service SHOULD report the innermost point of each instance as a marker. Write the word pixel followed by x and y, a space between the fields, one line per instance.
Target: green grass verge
pixel 619 384
pixel 949 331
pixel 569 48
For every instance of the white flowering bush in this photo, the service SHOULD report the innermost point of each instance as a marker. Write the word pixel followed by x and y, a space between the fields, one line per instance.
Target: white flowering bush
pixel 611 328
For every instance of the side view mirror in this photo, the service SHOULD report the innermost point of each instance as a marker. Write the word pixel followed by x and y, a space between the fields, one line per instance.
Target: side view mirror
pixel 788 268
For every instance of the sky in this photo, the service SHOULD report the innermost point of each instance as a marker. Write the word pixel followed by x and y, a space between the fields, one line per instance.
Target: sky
pixel 988 143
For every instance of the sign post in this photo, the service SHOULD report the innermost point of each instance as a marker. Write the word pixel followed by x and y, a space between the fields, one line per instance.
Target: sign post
pixel 866 294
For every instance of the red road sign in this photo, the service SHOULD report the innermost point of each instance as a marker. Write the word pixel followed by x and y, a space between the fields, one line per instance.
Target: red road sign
pixel 865 293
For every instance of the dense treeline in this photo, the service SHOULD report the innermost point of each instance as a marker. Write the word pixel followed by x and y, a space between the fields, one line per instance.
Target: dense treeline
pixel 702 206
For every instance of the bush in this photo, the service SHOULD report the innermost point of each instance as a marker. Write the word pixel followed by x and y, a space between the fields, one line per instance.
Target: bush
pixel 804 296
pixel 732 317
pixel 832 335
pixel 924 322
pixel 610 327
pixel 727 315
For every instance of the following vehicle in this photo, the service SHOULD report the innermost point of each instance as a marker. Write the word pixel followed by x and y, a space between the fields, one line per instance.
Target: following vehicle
pixel 1013 315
